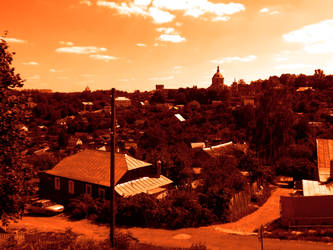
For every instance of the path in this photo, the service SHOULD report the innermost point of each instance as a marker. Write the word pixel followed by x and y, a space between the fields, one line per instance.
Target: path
pixel 214 237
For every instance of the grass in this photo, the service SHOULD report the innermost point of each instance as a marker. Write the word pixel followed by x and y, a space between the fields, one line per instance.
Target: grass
pixel 32 240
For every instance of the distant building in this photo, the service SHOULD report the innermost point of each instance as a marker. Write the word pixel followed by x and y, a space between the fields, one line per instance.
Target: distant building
pixel 88 172
pixel 123 101
pixel 159 86
pixel 217 80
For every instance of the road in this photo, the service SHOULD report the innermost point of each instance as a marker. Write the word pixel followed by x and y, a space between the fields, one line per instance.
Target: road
pixel 237 235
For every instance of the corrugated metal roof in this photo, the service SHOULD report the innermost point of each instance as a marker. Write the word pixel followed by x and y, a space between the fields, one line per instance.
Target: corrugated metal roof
pixel 324 156
pixel 218 149
pixel 93 166
pixel 198 145
pixel 180 118
pixel 315 188
pixel 143 185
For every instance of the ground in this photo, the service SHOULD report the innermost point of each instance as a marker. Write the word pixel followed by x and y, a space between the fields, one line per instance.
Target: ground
pixel 236 235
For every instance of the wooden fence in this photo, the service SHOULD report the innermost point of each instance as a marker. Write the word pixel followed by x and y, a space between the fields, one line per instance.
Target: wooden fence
pixel 240 203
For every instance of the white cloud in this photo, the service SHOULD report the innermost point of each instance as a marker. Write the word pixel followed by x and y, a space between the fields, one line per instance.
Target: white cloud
pixel 31 63
pixel 264 10
pixel 66 43
pixel 269 11
pixel 86 2
pixel 12 40
pixel 141 45
pixel 172 38
pixel 166 30
pixel 275 12
pixel 123 80
pixel 161 10
pixel 160 16
pixel 280 59
pixel 221 18
pixel 55 71
pixel 81 50
pixel 235 59
pixel 197 8
pixel 317 38
pixel 139 7
pixel 170 35
pixel 104 58
pixel 293 66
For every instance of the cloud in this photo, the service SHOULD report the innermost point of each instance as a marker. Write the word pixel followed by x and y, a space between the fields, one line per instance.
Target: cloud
pixel 162 11
pixel 293 66
pixel 66 43
pixel 316 38
pixel 197 8
pixel 161 78
pixel 55 70
pixel 178 67
pixel 86 2
pixel 170 35
pixel 104 58
pixel 264 10
pixel 269 11
pixel 81 50
pixel 160 16
pixel 141 45
pixel 12 40
pixel 235 59
pixel 139 7
pixel 275 12
pixel 31 63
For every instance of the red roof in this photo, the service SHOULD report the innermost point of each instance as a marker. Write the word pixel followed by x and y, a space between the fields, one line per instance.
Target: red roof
pixel 94 167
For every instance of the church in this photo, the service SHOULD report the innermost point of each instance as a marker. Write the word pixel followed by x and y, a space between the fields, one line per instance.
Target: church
pixel 217 80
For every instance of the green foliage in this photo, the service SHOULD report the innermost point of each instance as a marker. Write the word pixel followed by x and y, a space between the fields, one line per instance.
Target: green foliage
pixel 14 173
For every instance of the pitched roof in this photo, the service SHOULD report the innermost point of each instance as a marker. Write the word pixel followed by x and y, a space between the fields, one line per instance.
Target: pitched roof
pixel 94 166
pixel 143 185
pixel 324 156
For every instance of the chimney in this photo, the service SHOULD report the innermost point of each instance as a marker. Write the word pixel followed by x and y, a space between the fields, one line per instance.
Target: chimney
pixel 158 168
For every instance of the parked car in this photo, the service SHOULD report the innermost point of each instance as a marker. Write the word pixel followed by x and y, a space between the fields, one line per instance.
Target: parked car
pixel 45 207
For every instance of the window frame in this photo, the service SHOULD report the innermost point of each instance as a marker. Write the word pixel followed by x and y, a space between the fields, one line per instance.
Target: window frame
pixel 57 183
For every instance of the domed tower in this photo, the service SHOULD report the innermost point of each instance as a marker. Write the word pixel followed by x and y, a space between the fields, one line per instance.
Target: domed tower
pixel 217 80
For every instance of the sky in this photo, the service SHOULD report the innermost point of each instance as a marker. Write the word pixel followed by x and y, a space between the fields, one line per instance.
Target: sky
pixel 67 45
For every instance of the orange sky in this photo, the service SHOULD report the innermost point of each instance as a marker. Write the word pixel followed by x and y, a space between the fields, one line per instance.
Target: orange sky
pixel 65 45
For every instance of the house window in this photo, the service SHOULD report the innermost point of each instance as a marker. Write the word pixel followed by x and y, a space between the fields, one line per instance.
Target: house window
pixel 57 183
pixel 101 193
pixel 71 187
pixel 88 189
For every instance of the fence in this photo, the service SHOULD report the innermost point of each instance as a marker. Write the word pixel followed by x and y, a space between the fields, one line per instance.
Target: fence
pixel 239 203
pixel 307 210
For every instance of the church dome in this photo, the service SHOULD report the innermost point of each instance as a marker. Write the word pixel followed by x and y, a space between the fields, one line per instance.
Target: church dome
pixel 218 73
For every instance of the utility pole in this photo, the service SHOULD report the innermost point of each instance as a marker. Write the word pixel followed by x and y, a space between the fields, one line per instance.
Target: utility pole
pixel 112 167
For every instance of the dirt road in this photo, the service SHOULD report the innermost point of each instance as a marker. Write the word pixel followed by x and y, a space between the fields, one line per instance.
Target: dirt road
pixel 235 235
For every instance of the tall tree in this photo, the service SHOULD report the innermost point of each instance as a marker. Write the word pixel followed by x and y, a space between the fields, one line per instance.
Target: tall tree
pixel 14 174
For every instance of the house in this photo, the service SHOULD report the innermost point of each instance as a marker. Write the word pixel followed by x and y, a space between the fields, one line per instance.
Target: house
pixel 198 145
pixel 315 205
pixel 89 172
pixel 123 101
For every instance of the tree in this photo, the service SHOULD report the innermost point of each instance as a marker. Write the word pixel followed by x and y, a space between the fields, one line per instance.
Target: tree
pixel 14 174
